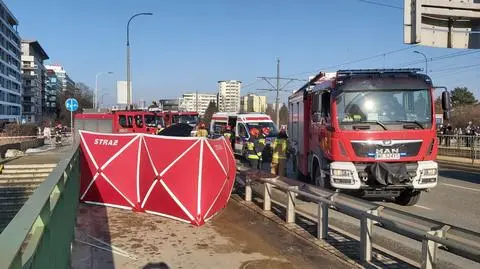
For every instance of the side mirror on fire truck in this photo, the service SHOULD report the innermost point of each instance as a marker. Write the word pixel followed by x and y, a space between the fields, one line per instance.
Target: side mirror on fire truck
pixel 446 104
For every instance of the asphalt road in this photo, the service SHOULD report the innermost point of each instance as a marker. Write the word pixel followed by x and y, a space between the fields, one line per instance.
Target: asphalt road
pixel 455 200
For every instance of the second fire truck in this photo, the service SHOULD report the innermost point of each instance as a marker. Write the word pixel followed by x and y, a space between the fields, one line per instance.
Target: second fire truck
pixel 371 132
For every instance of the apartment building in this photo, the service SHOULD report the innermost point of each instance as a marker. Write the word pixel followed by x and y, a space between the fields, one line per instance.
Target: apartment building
pixel 253 103
pixel 10 72
pixel 33 80
pixel 196 102
pixel 53 86
pixel 229 95
pixel 64 79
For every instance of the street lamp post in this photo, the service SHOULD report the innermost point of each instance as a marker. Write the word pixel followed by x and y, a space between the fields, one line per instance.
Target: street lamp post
pixel 128 54
pixel 95 96
pixel 101 99
pixel 426 60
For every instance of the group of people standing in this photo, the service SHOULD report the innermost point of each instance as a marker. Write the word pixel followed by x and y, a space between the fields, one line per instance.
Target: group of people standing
pixel 257 147
pixel 260 154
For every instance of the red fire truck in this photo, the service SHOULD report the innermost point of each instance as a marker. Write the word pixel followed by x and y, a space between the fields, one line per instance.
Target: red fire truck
pixel 370 132
pixel 120 121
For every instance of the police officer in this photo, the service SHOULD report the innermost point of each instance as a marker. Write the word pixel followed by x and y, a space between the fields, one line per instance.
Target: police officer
pixel 202 131
pixel 279 157
pixel 252 149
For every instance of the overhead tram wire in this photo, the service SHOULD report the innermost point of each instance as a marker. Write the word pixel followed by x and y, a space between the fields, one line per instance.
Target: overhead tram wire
pixel 441 57
pixel 356 61
pixel 380 4
pixel 455 68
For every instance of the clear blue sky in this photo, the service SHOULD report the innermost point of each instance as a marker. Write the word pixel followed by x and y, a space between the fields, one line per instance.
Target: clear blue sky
pixel 188 46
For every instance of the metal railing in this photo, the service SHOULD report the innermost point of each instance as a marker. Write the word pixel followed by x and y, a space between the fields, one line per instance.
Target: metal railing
pixel 465 146
pixel 432 234
pixel 41 233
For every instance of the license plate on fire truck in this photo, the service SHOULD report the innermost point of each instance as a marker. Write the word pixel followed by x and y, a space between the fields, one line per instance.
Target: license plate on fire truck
pixel 387 154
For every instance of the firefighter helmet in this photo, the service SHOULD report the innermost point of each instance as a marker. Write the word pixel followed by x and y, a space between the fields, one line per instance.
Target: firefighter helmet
pixel 228 128
pixel 202 125
pixel 265 130
pixel 254 132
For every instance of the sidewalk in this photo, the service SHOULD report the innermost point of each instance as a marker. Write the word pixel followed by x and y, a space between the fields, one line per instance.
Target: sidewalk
pixel 458 161
pixel 236 238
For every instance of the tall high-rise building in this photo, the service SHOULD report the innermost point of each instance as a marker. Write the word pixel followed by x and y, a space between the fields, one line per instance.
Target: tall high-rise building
pixel 253 103
pixel 33 74
pixel 229 95
pixel 196 102
pixel 62 76
pixel 11 78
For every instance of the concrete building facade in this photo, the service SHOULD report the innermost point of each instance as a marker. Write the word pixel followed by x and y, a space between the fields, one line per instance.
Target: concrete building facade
pixel 196 102
pixel 53 87
pixel 229 95
pixel 10 67
pixel 33 80
pixel 65 80
pixel 253 103
pixel 170 104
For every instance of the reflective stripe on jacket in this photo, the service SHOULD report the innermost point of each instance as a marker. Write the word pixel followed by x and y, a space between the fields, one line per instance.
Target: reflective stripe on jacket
pixel 251 153
pixel 280 147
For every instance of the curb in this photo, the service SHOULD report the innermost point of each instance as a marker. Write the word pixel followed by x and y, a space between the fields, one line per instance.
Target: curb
pixel 450 164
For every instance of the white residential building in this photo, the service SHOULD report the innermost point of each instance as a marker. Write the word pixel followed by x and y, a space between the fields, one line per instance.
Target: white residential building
pixel 10 72
pixel 229 95
pixel 253 103
pixel 63 77
pixel 34 78
pixel 196 102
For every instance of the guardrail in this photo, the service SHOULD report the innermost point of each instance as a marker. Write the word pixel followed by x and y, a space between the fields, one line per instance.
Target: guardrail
pixel 432 234
pixel 465 146
pixel 40 234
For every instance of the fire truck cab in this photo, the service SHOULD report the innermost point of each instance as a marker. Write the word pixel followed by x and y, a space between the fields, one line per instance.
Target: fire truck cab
pixel 367 131
pixel 120 121
pixel 241 123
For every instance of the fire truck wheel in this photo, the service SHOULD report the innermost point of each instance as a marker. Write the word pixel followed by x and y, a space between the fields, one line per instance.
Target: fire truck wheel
pixel 408 198
pixel 317 179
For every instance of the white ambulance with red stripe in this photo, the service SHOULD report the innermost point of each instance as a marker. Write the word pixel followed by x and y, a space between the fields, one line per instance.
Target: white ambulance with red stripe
pixel 241 123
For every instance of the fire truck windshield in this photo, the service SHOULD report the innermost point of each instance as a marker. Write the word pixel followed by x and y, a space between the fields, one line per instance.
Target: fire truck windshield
pixel 189 119
pixel 261 125
pixel 385 106
pixel 153 120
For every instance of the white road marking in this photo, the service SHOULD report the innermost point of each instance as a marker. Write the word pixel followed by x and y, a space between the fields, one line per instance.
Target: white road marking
pixel 460 187
pixel 423 207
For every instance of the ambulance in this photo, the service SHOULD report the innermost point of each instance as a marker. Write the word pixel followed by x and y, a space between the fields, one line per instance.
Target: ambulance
pixel 242 123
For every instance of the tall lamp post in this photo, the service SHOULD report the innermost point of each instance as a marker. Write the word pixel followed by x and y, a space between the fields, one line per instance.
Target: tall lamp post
pixel 95 96
pixel 129 101
pixel 426 60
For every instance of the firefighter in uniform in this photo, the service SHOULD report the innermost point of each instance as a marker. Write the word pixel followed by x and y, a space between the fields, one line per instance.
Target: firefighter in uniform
pixel 279 157
pixel 252 149
pixel 262 143
pixel 228 134
pixel 159 129
pixel 202 131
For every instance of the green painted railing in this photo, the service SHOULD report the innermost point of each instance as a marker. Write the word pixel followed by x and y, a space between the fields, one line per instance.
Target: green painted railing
pixel 41 233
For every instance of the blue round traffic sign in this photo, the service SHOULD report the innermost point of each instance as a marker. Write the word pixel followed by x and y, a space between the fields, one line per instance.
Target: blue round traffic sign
pixel 71 104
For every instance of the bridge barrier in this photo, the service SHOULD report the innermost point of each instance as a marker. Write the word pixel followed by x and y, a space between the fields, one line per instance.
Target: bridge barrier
pixel 432 234
pixel 464 146
pixel 40 234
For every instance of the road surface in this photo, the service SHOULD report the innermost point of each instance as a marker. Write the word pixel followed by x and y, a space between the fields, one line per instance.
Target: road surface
pixel 455 201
